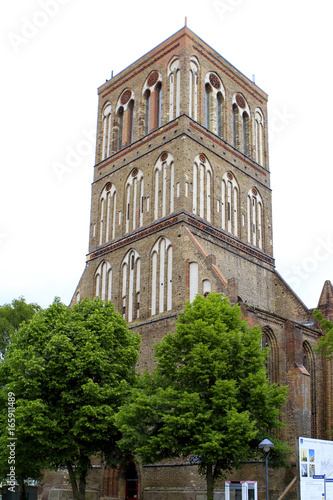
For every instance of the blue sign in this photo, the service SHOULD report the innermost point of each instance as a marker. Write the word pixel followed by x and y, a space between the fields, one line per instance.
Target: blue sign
pixel 318 476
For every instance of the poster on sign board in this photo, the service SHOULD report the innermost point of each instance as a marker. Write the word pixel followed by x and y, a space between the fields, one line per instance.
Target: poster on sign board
pixel 315 468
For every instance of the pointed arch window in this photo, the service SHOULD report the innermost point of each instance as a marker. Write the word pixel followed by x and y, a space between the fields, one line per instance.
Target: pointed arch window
pixel 174 85
pixel 309 364
pixel 134 192
pixel 229 203
pixel 235 120
pixel 246 135
pixel 259 136
pixel 241 124
pixel 194 79
pixel 268 340
pixel 125 118
pixel 161 262
pixel 202 179
pixel 108 202
pixel 152 95
pixel 120 122
pixel 146 97
pixel 254 218
pixel 103 281
pixel 131 270
pixel 106 145
pixel 164 173
pixel 214 104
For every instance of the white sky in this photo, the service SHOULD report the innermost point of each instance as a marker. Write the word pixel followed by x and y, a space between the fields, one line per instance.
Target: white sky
pixel 54 55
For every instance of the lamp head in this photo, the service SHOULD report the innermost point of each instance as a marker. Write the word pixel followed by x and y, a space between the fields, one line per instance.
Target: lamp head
pixel 266 445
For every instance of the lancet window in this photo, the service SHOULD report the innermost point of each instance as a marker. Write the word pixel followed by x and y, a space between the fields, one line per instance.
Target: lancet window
pixel 134 193
pixel 174 86
pixel 254 218
pixel 161 265
pixel 103 281
pixel 108 201
pixel 229 203
pixel 214 104
pixel 202 179
pixel 131 269
pixel 164 179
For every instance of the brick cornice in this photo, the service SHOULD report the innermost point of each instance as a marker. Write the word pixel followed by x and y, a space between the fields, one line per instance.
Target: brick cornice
pixel 229 74
pixel 179 217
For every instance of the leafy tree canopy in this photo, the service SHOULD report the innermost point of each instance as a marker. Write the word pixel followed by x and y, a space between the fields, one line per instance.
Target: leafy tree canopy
pixel 209 397
pixel 325 343
pixel 11 317
pixel 70 370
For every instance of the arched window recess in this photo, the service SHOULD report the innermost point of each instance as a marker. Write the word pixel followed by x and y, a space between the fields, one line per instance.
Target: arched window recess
pixel 125 118
pixel 241 124
pixel 152 95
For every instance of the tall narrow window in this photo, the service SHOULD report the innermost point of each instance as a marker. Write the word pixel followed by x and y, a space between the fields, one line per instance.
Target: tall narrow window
pixel 158 103
pixel 106 146
pixel 125 113
pixel 194 280
pixel 131 120
pixel 241 124
pixel 134 190
pixel 147 111
pixel 152 93
pixel 235 125
pixel 219 113
pixel 174 86
pixel 272 365
pixel 202 175
pixel 254 218
pixel 120 116
pixel 131 271
pixel 103 281
pixel 229 203
pixel 208 107
pixel 108 202
pixel 164 186
pixel 214 98
pixel 194 78
pixel 309 364
pixel 259 136
pixel 161 262
pixel 245 133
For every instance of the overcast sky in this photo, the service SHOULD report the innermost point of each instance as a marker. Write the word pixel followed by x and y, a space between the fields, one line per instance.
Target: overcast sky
pixel 54 55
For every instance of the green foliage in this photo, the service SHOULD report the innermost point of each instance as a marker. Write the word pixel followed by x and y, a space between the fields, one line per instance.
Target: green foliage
pixel 11 317
pixel 70 370
pixel 325 343
pixel 209 396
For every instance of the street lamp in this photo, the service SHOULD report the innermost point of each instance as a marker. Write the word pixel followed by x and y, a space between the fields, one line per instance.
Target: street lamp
pixel 266 445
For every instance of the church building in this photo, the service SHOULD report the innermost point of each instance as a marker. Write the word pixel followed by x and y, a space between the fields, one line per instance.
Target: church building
pixel 182 205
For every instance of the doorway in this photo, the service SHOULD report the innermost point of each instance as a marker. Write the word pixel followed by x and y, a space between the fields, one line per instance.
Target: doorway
pixel 131 482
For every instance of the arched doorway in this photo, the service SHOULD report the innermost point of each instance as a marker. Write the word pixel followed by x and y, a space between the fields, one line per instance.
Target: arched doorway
pixel 131 482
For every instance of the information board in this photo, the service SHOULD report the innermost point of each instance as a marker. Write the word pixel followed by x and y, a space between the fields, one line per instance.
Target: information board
pixel 315 461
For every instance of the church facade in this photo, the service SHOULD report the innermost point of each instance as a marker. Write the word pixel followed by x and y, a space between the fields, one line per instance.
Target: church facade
pixel 182 205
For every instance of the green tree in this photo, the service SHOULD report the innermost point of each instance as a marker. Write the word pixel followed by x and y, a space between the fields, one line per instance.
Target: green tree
pixel 325 343
pixel 70 370
pixel 209 397
pixel 11 317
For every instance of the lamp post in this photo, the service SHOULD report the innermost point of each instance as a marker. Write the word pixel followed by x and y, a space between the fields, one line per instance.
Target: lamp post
pixel 266 445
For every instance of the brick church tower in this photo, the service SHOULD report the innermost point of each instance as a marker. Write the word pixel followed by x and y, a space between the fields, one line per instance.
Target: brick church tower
pixel 181 205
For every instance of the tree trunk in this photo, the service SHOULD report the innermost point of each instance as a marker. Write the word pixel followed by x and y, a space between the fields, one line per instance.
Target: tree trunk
pixel 210 482
pixel 82 486
pixel 22 490
pixel 72 479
